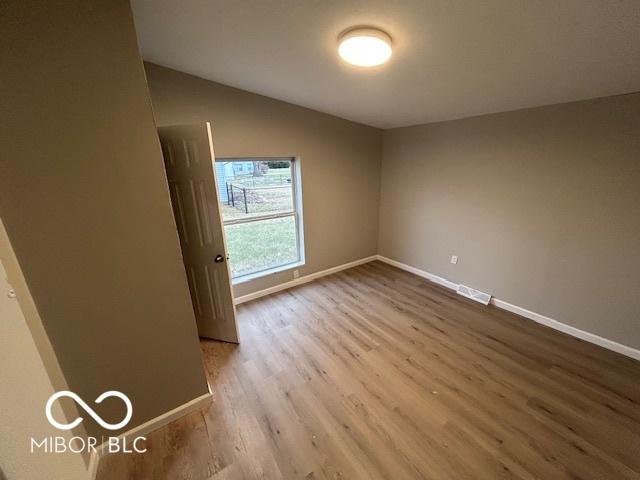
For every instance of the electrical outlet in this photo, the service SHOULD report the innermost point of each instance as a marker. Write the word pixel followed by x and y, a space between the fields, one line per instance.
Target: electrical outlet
pixel 296 274
pixel 454 259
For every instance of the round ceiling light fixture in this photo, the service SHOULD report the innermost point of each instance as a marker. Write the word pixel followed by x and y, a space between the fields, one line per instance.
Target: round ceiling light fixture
pixel 365 47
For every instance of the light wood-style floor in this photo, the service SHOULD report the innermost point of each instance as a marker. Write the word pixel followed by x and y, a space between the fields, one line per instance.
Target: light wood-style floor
pixel 374 373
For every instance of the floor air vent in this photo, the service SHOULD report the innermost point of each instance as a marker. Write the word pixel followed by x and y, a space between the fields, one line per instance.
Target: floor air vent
pixel 474 294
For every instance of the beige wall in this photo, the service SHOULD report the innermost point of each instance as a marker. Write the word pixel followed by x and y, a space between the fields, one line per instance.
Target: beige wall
pixel 541 206
pixel 25 389
pixel 340 161
pixel 85 204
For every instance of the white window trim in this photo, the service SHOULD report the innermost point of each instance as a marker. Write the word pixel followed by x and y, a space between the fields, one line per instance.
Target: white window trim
pixel 296 191
pixel 264 273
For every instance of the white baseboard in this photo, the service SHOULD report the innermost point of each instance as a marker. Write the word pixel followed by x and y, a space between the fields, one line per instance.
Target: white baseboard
pixel 301 280
pixel 421 273
pixel 523 312
pixel 568 329
pixel 150 426
pixel 201 401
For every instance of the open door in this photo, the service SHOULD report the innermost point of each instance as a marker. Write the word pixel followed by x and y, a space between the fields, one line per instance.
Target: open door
pixel 189 161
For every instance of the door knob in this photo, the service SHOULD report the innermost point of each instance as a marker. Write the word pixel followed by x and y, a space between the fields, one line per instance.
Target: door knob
pixel 219 259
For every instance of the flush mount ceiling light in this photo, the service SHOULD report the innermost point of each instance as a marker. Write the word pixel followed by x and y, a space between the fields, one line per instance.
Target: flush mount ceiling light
pixel 365 47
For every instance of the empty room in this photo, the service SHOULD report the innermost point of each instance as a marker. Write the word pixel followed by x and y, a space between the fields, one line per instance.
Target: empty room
pixel 304 239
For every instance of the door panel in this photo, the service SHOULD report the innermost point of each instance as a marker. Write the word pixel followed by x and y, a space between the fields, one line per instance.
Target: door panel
pixel 189 162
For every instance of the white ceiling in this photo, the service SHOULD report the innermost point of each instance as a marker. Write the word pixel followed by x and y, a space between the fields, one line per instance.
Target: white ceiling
pixel 452 58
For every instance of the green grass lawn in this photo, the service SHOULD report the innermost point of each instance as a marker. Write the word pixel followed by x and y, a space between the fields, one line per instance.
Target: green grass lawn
pixel 261 245
pixel 264 244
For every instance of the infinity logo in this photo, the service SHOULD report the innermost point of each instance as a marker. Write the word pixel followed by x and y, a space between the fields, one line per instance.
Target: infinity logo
pixel 89 410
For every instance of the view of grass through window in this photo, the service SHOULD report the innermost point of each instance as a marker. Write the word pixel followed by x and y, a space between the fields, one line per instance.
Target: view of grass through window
pixel 258 212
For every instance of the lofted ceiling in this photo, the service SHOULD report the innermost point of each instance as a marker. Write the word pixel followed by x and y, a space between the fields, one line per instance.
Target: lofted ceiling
pixel 452 58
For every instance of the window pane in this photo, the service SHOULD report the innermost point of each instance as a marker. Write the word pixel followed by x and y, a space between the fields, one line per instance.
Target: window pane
pixel 263 244
pixel 254 187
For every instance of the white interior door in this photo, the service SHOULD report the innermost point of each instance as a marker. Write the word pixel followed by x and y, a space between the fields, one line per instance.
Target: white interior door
pixel 189 161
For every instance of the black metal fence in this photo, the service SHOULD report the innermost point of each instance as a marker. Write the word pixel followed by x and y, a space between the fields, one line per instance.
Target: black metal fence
pixel 270 180
pixel 259 198
pixel 239 198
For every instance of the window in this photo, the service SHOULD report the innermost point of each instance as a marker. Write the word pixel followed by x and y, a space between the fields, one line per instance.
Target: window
pixel 261 213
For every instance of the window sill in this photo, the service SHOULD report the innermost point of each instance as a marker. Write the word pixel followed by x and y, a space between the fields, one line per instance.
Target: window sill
pixel 265 273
